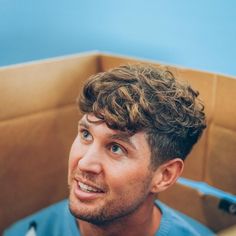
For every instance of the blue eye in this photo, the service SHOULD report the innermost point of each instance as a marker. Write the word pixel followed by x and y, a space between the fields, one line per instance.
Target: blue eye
pixel 115 148
pixel 86 135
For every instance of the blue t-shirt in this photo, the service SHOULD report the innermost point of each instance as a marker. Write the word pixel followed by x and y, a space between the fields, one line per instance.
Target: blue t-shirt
pixel 56 220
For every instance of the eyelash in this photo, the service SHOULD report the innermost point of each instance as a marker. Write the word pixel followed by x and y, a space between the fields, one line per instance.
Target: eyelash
pixel 81 132
pixel 109 146
pixel 118 145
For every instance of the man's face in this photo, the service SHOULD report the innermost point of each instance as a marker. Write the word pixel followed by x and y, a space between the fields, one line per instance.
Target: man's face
pixel 109 175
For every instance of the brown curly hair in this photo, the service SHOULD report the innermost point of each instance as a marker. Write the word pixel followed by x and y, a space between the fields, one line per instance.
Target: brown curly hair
pixel 134 98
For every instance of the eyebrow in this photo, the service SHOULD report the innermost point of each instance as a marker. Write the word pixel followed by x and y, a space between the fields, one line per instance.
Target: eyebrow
pixel 83 123
pixel 118 136
pixel 122 137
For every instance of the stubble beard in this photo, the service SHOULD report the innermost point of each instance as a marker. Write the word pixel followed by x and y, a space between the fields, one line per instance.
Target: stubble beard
pixel 111 210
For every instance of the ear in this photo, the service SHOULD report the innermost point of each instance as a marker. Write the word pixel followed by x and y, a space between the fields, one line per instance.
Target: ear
pixel 167 174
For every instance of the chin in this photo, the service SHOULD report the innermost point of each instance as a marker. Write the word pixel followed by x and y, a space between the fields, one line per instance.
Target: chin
pixel 81 210
pixel 99 215
pixel 96 218
pixel 85 213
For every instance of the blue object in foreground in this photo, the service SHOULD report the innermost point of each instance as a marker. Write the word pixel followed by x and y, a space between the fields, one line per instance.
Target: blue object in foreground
pixel 57 220
pixel 207 189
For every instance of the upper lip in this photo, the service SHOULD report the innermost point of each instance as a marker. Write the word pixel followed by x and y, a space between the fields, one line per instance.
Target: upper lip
pixel 84 181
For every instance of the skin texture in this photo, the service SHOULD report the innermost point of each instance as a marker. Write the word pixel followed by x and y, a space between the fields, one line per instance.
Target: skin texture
pixel 119 167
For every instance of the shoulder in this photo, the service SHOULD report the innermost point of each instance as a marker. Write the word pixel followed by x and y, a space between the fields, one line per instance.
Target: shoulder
pixel 176 223
pixel 47 221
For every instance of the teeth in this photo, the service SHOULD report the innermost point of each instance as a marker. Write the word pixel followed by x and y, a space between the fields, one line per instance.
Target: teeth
pixel 88 188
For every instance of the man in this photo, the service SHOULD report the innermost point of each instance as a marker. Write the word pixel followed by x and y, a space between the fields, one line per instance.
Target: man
pixel 139 124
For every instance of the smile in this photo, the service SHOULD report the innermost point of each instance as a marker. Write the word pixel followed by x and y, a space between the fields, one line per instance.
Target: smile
pixel 88 188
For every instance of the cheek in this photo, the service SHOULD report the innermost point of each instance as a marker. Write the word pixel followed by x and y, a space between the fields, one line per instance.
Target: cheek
pixel 75 155
pixel 129 176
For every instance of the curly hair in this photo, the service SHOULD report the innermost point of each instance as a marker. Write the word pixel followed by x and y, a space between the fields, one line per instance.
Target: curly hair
pixel 134 98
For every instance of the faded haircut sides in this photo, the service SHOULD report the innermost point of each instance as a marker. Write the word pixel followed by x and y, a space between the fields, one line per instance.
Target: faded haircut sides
pixel 134 98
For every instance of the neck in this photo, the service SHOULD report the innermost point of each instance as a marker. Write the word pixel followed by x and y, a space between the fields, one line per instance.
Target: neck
pixel 144 221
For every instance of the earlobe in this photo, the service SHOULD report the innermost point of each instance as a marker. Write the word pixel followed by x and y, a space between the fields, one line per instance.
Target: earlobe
pixel 167 174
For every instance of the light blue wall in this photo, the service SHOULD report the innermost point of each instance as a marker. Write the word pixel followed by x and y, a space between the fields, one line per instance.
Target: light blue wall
pixel 199 34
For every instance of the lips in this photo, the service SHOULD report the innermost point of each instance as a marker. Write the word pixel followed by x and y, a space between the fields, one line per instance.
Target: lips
pixel 86 191
pixel 88 188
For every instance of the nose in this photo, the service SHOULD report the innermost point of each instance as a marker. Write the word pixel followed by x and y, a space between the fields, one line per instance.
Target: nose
pixel 91 160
